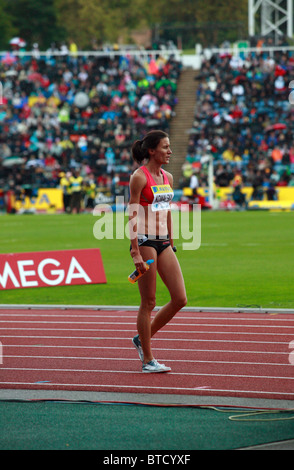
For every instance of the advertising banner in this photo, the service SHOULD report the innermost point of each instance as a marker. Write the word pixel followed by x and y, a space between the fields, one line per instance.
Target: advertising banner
pixel 51 268
pixel 47 200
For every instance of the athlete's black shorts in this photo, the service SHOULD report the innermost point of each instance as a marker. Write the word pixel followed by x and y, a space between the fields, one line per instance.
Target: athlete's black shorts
pixel 159 243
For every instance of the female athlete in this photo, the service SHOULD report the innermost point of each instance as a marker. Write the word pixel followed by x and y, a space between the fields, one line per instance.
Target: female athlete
pixel 151 236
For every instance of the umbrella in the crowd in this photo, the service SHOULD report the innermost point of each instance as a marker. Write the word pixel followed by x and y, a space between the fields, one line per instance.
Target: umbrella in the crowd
pixel 34 162
pixel 166 82
pixel 13 160
pixel 153 67
pixel 279 126
pixel 35 77
pixel 11 73
pixel 38 78
pixel 17 42
pixel 193 131
pixel 109 115
pixel 146 100
pixel 152 122
pixel 81 99
pixel 143 83
pixel 8 59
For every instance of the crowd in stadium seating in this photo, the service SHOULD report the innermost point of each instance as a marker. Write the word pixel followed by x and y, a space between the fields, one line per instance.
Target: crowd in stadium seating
pixel 245 120
pixel 62 113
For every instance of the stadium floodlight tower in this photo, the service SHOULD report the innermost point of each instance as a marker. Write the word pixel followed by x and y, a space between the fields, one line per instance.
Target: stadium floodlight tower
pixel 276 17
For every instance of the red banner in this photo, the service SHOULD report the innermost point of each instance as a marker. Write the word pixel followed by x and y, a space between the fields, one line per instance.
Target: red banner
pixel 51 268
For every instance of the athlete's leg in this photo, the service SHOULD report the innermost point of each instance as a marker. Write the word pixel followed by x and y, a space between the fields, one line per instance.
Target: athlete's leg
pixel 170 272
pixel 147 288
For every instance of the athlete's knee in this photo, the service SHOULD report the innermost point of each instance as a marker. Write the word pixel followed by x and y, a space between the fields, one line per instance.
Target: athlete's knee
pixel 149 303
pixel 180 301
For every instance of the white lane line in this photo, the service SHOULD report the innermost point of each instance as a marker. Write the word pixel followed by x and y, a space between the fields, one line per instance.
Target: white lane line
pixel 218 351
pixel 113 330
pixel 110 338
pixel 257 392
pixel 189 361
pixel 234 317
pixel 127 372
pixel 41 322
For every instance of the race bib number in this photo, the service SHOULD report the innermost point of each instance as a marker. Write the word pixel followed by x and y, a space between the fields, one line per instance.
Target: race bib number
pixel 163 195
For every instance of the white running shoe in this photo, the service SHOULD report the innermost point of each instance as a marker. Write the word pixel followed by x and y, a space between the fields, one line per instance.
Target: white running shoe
pixel 154 366
pixel 137 343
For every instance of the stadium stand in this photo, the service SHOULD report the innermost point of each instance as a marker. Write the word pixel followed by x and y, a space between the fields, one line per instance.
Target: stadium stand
pixel 245 120
pixel 60 113
pixel 67 112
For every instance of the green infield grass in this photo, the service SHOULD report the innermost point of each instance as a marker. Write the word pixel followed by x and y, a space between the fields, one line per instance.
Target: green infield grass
pixel 245 260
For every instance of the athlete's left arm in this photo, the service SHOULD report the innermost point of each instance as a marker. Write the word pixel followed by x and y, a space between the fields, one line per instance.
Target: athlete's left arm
pixel 169 216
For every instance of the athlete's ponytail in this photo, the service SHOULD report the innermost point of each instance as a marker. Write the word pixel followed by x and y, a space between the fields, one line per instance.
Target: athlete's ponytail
pixel 139 154
pixel 140 148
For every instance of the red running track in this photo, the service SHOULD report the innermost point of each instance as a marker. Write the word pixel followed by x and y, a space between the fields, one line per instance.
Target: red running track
pixel 223 354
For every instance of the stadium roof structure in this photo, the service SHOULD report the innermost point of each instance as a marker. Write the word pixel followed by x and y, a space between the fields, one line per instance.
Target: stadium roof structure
pixel 276 17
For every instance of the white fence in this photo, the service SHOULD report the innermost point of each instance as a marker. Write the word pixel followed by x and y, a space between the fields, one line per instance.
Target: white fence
pixel 201 54
pixel 105 53
pixel 188 60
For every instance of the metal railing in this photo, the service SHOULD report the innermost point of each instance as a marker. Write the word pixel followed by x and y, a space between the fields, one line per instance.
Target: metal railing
pixel 237 50
pixel 104 53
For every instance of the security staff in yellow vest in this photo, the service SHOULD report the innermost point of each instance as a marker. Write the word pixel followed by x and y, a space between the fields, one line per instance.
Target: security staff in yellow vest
pixel 76 182
pixel 64 185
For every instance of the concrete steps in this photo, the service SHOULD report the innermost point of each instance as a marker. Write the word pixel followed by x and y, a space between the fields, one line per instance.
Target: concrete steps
pixel 182 122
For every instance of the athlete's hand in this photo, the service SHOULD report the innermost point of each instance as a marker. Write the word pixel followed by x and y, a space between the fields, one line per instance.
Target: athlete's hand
pixel 138 262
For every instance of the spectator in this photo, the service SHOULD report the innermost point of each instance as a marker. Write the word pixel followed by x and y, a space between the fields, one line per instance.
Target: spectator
pixel 89 190
pixel 65 186
pixel 76 182
pixel 239 197
pixel 194 183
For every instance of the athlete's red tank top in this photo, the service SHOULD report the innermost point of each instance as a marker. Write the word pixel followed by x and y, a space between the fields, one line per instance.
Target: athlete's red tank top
pixel 158 195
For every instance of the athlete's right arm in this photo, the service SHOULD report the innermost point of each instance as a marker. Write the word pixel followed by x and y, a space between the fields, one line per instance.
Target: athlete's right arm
pixel 137 183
